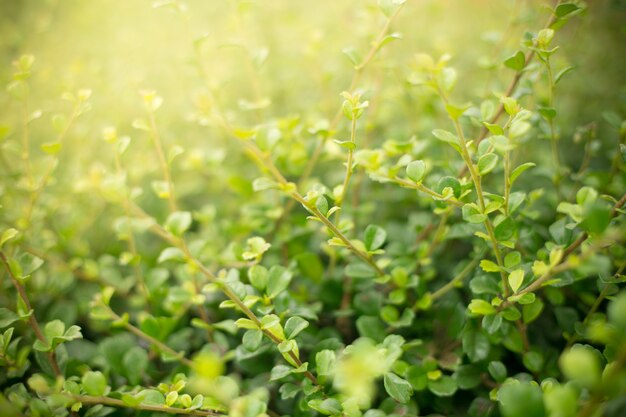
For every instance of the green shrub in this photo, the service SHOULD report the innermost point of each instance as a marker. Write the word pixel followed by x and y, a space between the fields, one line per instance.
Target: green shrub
pixel 433 241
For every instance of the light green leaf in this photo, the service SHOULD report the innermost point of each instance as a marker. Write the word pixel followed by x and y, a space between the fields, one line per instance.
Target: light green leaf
pixel 7 235
pixel 518 171
pixel 178 222
pixel 278 280
pixel 481 308
pixel 294 325
pixel 399 389
pixel 374 237
pixel 516 278
pixel 416 170
pixel 94 383
pixel 487 163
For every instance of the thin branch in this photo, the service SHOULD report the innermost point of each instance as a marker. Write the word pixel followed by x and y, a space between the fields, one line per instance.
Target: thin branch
pixel 162 346
pixel 32 320
pixel 94 400
pixel 458 278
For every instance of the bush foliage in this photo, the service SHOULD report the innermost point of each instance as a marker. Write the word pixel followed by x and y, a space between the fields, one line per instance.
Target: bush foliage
pixel 443 238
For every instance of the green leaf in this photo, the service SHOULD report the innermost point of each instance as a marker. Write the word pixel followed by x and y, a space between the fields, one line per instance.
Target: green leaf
pixel 455 111
pixel 279 372
pixel 516 62
pixel 54 329
pixel 262 184
pixel 246 324
pixel 325 362
pixel 445 136
pixel 399 389
pixel 51 148
pixel 511 105
pixel 294 325
pixel 7 235
pixel 561 401
pixel 447 78
pixel 533 361
pixel 178 222
pixel 7 317
pixel 174 151
pixel 374 237
pixel 271 322
pixel 467 376
pixel 518 171
pixel 481 307
pixel 492 323
pixel 135 363
pixel 329 406
pixel 258 276
pixel 475 345
pixel 494 128
pixel 581 364
pixel 596 217
pixel 521 399
pixel 161 189
pixel 278 280
pixel 548 113
pixel 489 266
pixel 565 9
pixel 255 248
pixel 152 397
pixel 171 254
pixel 252 339
pixel 471 214
pixel 616 310
pixel 497 370
pixel 359 270
pixel 487 163
pixel 389 7
pixel 562 73
pixel 171 398
pixel 345 144
pixel 416 170
pixel 355 58
pixel 512 259
pixel 94 383
pixel 445 386
pixel 449 182
pixel 516 278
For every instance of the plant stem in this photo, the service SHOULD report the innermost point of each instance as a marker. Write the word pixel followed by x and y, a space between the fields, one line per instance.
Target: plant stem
pixel 32 320
pixel 162 346
pixel 507 181
pixel 349 168
pixel 364 256
pixel 481 200
pixel 454 281
pixel 36 193
pixel 94 400
pixel 421 187
pixel 158 146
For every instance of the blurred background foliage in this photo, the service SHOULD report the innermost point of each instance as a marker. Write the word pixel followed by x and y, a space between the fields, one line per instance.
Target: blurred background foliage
pixel 286 58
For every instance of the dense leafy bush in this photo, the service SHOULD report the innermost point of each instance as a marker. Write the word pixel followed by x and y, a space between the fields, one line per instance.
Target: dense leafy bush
pixel 433 241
